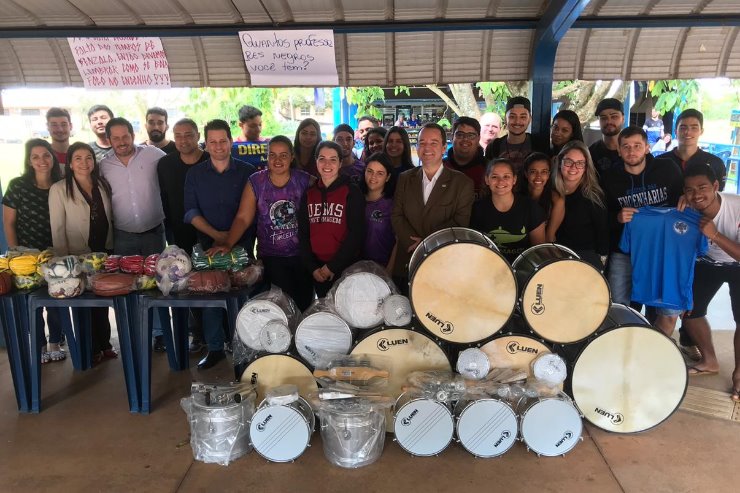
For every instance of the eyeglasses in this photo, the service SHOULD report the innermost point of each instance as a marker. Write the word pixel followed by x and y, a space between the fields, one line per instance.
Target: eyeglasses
pixel 466 136
pixel 569 163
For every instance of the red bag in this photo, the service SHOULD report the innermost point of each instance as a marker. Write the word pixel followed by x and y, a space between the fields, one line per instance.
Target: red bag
pixel 116 284
pixel 209 282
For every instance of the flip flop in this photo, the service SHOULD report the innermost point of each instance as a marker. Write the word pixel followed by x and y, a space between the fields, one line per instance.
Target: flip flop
pixel 735 395
pixel 698 372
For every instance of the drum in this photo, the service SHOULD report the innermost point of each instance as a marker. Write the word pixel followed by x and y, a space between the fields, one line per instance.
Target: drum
pixel 422 426
pixel 514 351
pixel 486 427
pixel 273 370
pixel 353 434
pixel 549 426
pixel 320 336
pixel 462 289
pixel 254 317
pixel 563 299
pixel 407 351
pixel 629 379
pixel 281 428
pixel 359 297
pixel 397 311
pixel 473 364
pixel 220 433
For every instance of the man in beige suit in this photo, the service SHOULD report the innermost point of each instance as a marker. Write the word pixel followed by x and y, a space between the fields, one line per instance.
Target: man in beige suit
pixel 427 199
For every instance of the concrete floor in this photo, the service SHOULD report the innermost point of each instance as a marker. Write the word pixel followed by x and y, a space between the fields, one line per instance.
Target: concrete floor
pixel 86 440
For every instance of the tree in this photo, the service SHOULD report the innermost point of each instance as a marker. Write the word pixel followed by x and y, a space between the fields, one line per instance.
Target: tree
pixel 673 94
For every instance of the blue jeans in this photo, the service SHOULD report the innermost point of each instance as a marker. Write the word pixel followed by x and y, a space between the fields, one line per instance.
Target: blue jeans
pixel 213 328
pixel 619 276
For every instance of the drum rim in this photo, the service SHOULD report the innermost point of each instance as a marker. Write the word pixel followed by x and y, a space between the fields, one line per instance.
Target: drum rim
pixel 541 399
pixel 476 401
pixel 439 232
pixel 442 405
pixel 540 247
pixel 335 315
pixel 520 299
pixel 298 347
pixel 584 416
pixel 295 411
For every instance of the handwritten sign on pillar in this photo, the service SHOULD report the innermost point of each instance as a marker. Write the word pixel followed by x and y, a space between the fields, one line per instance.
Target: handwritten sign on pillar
pixel 121 63
pixel 290 58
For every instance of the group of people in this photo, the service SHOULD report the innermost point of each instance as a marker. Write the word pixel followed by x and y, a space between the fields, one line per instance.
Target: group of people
pixel 317 206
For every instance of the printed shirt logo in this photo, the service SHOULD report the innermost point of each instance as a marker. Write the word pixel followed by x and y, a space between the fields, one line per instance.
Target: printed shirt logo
pixel 284 220
pixel 680 227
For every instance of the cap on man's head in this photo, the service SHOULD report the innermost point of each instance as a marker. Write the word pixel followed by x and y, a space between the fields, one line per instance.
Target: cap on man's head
pixel 609 104
pixel 519 101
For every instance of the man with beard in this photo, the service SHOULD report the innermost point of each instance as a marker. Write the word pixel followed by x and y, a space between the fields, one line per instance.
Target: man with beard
pixel 517 144
pixel 641 181
pixel 352 166
pixel 59 125
pixel 605 153
pixel 364 124
pixel 490 126
pixel 466 156
pixel 99 116
pixel 156 128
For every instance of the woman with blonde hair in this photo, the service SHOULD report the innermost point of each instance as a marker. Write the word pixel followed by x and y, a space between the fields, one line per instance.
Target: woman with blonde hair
pixel 584 228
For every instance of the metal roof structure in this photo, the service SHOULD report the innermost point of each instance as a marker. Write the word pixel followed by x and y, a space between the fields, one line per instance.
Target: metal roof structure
pixel 388 42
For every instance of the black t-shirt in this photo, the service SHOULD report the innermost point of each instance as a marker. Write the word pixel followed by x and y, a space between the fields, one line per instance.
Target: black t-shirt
pixel 516 153
pixel 701 157
pixel 168 149
pixel 171 171
pixel 509 230
pixel 603 157
pixel 31 204
pixel 584 226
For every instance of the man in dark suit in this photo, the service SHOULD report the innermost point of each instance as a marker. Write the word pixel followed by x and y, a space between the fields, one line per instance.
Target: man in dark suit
pixel 428 198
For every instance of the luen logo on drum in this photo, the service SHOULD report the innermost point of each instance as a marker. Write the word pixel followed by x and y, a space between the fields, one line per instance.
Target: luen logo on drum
pixel 407 420
pixel 255 310
pixel 538 308
pixel 514 347
pixel 383 343
pixel 615 418
pixel 504 435
pixel 310 351
pixel 444 326
pixel 566 436
pixel 253 380
pixel 261 426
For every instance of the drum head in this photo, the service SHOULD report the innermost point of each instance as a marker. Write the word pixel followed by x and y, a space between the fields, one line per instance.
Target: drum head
pixel 487 428
pixel 253 317
pixel 359 299
pixel 423 427
pixel 551 427
pixel 279 433
pixel 463 301
pixel 321 335
pixel 565 301
pixel 408 351
pixel 629 379
pixel 278 369
pixel 514 351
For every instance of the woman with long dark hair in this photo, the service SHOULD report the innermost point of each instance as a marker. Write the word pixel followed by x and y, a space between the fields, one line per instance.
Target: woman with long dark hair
pixel 566 126
pixel 307 138
pixel 535 182
pixel 80 213
pixel 26 222
pixel 373 142
pixel 397 147
pixel 380 240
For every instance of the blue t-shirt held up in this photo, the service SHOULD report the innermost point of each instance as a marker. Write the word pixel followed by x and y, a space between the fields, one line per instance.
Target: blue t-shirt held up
pixel 663 244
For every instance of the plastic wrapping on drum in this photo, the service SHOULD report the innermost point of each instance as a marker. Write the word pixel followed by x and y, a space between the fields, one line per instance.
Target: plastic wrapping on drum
pixel 322 335
pixel 264 325
pixel 550 369
pixel 440 385
pixel 397 311
pixel 359 293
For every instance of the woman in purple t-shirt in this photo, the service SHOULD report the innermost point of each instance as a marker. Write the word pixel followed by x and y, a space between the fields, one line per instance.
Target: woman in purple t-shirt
pixel 380 240
pixel 273 196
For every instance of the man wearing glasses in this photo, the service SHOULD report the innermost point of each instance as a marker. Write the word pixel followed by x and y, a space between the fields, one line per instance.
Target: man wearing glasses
pixel 641 180
pixel 517 144
pixel 466 156
pixel 611 120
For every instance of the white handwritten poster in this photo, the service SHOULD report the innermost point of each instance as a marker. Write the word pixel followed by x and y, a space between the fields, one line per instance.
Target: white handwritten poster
pixel 290 58
pixel 121 63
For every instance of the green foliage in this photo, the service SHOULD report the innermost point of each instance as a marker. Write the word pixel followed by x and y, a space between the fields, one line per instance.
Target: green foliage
pixel 364 97
pixel 445 123
pixel 495 94
pixel 402 89
pixel 674 94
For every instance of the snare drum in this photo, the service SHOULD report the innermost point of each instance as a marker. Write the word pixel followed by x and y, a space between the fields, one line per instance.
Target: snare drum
pixel 629 379
pixel 549 426
pixel 462 289
pixel 486 427
pixel 321 336
pixel 273 370
pixel 282 432
pixel 422 426
pixel 408 351
pixel 563 299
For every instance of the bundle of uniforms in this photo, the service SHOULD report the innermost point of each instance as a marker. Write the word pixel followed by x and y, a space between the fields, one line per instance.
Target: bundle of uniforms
pixel 23 264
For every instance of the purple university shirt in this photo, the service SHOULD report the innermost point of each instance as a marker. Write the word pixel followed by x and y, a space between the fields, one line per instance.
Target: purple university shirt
pixel 380 237
pixel 277 212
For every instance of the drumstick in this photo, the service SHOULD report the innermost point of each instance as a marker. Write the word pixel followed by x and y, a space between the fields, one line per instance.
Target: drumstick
pixel 351 373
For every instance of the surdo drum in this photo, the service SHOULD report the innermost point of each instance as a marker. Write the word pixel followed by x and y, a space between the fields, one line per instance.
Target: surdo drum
pixel 486 426
pixel 514 351
pixel 629 379
pixel 563 299
pixel 462 290
pixel 274 370
pixel 422 426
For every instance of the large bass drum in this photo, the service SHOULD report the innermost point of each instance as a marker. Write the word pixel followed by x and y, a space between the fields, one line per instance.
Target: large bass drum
pixel 563 299
pixel 629 379
pixel 462 289
pixel 514 351
pixel 274 370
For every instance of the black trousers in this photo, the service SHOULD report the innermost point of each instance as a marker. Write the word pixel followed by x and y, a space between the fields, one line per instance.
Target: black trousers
pixel 290 275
